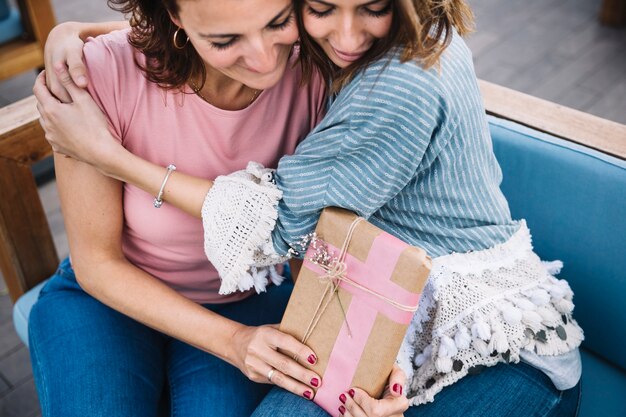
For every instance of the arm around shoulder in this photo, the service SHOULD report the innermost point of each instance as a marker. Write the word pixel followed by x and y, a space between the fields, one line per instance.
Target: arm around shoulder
pixel 64 48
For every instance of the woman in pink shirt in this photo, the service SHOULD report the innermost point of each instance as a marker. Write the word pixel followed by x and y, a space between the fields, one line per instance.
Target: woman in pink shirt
pixel 207 85
pixel 246 106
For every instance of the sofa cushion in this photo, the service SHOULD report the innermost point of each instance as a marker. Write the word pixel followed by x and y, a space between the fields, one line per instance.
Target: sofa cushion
pixel 21 311
pixel 603 388
pixel 10 25
pixel 4 9
pixel 574 200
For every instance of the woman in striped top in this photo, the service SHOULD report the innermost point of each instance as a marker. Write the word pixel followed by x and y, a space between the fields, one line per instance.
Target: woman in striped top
pixel 405 144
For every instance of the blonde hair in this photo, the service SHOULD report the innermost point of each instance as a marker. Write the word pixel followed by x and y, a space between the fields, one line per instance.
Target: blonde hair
pixel 421 28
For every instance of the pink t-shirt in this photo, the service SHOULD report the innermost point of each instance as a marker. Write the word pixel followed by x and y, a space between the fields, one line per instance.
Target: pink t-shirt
pixel 167 127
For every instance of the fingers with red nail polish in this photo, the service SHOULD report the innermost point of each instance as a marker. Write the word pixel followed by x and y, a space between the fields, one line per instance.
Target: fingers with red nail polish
pixel 267 355
pixel 359 403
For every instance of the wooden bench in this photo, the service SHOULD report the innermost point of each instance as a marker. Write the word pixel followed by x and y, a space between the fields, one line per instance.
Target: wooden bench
pixel 613 12
pixel 27 252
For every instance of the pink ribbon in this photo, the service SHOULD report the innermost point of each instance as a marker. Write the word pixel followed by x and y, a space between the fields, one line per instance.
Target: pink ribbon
pixel 374 274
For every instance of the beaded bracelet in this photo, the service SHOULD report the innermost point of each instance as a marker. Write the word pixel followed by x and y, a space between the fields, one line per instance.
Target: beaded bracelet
pixel 158 200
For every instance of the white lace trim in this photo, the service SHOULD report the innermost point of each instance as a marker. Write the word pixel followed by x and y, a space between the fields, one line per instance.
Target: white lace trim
pixel 481 308
pixel 238 216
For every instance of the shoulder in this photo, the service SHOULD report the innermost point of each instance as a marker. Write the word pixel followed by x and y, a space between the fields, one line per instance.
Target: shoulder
pixel 112 57
pixel 406 77
pixel 411 78
pixel 111 63
pixel 434 90
pixel 115 80
pixel 400 89
pixel 110 48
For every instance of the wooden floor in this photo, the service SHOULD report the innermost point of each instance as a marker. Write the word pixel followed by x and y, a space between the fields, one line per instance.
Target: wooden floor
pixel 553 49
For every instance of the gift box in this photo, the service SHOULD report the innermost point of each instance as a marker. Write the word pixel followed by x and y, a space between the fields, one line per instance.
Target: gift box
pixel 353 300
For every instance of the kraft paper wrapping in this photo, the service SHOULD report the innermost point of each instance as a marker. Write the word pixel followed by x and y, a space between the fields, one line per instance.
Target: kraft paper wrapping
pixel 360 348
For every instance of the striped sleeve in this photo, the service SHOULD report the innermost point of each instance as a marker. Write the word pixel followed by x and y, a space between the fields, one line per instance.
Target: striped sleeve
pixel 364 153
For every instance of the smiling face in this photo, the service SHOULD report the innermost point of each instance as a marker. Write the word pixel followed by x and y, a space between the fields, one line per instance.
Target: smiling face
pixel 248 41
pixel 347 29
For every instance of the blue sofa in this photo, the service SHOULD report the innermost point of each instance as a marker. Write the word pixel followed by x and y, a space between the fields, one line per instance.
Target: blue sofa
pixel 574 200
pixel 10 23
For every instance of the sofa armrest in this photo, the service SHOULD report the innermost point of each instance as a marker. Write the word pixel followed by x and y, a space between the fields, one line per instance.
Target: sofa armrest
pixel 27 252
pixel 563 122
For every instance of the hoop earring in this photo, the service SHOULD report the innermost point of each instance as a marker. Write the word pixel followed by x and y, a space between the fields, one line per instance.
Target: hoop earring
pixel 174 40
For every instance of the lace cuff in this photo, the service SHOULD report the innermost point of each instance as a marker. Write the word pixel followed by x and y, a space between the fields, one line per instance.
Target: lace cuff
pixel 238 216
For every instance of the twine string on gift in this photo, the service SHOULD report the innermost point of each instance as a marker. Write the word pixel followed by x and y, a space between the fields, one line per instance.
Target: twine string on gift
pixel 335 273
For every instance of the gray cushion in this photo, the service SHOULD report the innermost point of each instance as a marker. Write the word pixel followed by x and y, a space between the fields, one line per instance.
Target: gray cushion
pixel 21 311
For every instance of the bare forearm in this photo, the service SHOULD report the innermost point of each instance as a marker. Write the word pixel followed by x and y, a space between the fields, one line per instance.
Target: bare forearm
pixel 94 219
pixel 133 292
pixel 181 190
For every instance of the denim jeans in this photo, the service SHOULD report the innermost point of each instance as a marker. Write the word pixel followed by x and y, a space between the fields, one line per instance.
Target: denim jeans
pixel 505 390
pixel 90 360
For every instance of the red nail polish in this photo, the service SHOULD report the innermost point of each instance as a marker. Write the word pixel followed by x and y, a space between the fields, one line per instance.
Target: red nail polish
pixel 397 388
pixel 342 409
pixel 307 395
pixel 312 359
pixel 342 398
pixel 315 382
pixel 351 392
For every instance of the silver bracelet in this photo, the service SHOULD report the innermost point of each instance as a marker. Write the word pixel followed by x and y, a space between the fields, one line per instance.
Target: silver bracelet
pixel 158 200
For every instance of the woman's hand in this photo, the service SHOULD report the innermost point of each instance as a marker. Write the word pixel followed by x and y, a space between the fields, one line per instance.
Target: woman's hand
pixel 256 354
pixel 64 48
pixel 357 403
pixel 78 129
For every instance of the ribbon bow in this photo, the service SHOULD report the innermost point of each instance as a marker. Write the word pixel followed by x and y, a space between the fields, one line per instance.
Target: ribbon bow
pixel 335 273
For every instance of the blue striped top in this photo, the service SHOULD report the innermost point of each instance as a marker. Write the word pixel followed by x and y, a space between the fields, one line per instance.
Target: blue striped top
pixel 408 149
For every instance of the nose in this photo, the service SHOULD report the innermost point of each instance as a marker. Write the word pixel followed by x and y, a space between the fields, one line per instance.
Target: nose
pixel 262 55
pixel 349 35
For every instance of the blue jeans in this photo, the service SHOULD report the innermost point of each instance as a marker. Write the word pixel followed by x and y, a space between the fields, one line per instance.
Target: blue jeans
pixel 505 390
pixel 90 360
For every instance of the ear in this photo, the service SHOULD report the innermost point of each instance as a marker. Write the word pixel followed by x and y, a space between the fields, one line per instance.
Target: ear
pixel 175 20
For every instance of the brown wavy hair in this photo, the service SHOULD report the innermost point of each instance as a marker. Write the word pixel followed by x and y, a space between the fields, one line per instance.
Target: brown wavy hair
pixel 422 28
pixel 152 31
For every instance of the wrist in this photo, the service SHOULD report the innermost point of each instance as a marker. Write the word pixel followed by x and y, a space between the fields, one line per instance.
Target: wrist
pixel 236 340
pixel 113 159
